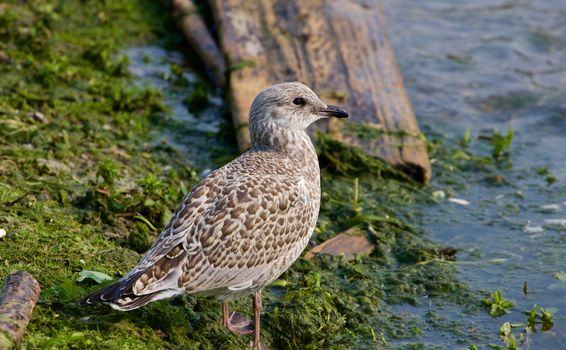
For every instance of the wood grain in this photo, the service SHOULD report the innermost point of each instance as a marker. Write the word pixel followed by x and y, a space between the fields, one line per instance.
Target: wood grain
pixel 340 49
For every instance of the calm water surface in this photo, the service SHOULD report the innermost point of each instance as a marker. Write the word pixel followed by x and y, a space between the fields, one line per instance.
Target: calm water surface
pixel 479 65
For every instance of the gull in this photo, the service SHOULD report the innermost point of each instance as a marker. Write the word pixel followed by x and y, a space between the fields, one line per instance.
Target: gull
pixel 245 223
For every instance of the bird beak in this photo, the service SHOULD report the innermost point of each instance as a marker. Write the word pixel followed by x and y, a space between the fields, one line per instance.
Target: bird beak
pixel 334 111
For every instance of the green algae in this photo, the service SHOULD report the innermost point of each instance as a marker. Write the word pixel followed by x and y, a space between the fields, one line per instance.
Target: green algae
pixel 82 190
pixel 68 178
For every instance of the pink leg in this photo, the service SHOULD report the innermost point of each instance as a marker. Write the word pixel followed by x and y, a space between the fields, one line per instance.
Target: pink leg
pixel 257 314
pixel 235 322
pixel 225 318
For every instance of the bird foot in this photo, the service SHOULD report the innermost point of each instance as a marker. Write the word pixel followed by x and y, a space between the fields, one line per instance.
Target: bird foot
pixel 240 324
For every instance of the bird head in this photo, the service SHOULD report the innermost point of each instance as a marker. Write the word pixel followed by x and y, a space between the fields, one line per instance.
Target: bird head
pixel 290 106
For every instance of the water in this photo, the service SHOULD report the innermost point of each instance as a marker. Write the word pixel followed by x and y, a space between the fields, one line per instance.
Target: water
pixel 195 134
pixel 480 65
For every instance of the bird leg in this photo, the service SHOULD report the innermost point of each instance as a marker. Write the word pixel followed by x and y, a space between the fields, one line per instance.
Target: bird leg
pixel 236 322
pixel 257 314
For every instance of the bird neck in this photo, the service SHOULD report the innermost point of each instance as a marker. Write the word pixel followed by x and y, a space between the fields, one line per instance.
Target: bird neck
pixel 295 144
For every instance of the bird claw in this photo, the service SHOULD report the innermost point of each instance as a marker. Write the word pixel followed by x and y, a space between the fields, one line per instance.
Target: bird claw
pixel 240 324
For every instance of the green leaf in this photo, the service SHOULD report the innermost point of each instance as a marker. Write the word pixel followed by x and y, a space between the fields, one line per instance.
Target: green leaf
pixel 532 316
pixel 279 283
pixel 512 343
pixel 467 136
pixel 497 297
pixel 498 305
pixel 547 313
pixel 501 144
pixel 145 221
pixel 96 276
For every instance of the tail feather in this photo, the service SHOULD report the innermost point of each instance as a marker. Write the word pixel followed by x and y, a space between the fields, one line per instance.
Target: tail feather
pixel 104 295
pixel 115 296
pixel 156 281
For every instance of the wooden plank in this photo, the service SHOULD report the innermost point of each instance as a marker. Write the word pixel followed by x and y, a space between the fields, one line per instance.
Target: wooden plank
pixel 337 47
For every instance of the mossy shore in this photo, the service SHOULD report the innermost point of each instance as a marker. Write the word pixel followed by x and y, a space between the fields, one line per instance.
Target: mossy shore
pixel 84 187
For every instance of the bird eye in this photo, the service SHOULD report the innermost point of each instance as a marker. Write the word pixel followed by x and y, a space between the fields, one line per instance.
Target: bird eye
pixel 299 101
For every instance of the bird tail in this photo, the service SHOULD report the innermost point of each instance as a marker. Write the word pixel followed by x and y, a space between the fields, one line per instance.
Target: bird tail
pixel 163 274
pixel 119 296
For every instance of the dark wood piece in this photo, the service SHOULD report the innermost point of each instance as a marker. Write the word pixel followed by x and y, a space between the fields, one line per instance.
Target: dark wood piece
pixel 17 300
pixel 197 35
pixel 337 47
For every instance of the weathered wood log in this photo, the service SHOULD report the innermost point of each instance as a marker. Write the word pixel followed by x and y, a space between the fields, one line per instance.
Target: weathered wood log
pixel 197 35
pixel 340 49
pixel 17 300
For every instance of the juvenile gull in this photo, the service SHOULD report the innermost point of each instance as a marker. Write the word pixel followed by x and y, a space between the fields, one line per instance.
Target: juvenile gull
pixel 244 224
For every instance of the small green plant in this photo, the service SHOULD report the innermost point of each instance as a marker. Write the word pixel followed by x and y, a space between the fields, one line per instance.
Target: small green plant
pixel 497 304
pixel 513 343
pixel 537 315
pixel 151 184
pixel 467 138
pixel 540 315
pixel 501 144
pixel 525 288
pixel 108 171
pixel 506 336
pixel 547 174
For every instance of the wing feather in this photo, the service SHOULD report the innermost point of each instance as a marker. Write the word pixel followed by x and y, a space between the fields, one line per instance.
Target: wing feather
pixel 160 266
pixel 225 234
pixel 253 223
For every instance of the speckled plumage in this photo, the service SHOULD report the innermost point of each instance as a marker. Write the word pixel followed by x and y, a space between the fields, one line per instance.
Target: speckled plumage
pixel 244 224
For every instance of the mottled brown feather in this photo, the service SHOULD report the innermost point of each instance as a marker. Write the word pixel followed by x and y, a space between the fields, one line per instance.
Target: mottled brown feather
pixel 244 224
